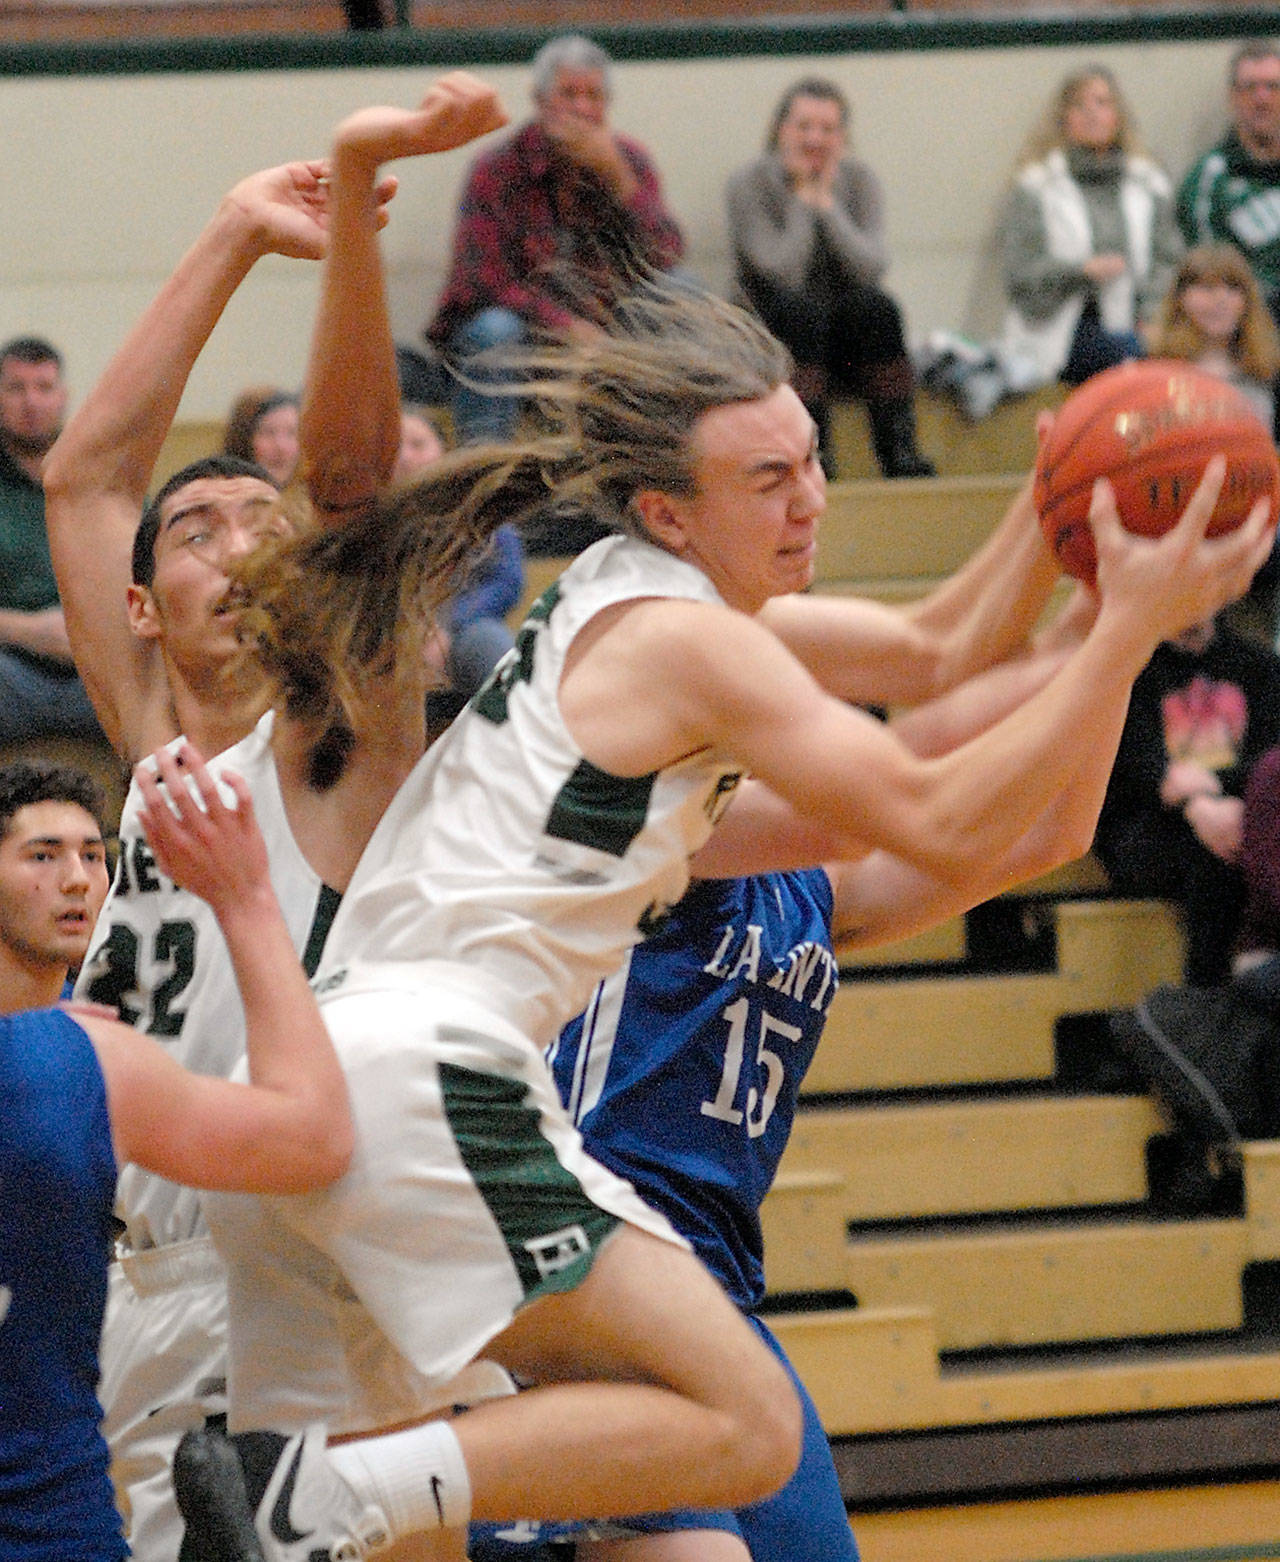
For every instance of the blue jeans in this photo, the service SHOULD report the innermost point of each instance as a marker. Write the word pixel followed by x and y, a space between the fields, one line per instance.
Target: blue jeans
pixel 40 699
pixel 474 652
pixel 1094 349
pixel 478 413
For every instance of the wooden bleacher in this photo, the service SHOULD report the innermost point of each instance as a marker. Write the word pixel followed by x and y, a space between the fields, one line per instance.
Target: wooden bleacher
pixel 1012 1280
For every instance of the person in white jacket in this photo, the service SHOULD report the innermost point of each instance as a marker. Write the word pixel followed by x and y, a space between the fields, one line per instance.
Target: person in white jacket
pixel 1087 246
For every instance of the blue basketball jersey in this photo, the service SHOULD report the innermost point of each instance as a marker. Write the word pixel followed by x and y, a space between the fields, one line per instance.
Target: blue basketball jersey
pixel 57 1183
pixel 683 1073
pixel 683 1076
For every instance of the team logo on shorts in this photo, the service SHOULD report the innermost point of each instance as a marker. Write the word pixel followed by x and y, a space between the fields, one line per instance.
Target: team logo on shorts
pixel 558 1250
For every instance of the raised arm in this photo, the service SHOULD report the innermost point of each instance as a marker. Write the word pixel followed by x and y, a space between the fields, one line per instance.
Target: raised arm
pixel 97 475
pixel 289 1130
pixel 351 404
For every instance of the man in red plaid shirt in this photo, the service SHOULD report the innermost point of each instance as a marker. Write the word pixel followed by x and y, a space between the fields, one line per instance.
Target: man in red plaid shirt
pixel 551 224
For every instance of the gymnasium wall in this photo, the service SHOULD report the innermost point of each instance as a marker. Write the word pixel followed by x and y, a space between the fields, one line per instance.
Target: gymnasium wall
pixel 106 177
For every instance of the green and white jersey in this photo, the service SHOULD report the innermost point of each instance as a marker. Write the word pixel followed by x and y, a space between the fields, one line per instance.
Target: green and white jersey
pixel 1228 197
pixel 511 868
pixel 158 958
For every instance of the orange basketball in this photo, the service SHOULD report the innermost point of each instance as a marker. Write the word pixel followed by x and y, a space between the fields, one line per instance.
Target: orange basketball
pixel 1150 428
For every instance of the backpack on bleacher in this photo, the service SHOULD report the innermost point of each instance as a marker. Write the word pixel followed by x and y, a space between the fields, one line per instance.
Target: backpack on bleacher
pixel 1211 1054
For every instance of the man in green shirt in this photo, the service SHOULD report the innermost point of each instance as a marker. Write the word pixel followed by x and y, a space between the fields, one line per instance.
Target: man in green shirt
pixel 1232 193
pixel 40 693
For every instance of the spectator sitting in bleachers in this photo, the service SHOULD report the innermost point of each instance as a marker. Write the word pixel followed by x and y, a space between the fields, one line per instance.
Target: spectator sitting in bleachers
pixel 807 228
pixel 553 223
pixel 40 693
pixel 1203 709
pixel 1088 245
pixel 471 633
pixel 1214 316
pixel 1229 194
pixel 262 426
pixel 1212 1055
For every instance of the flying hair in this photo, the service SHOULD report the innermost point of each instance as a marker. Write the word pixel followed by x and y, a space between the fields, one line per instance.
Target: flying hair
pixel 334 614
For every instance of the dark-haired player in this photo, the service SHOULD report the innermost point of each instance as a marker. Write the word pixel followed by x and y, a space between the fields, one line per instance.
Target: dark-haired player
pixel 53 878
pixel 82 1095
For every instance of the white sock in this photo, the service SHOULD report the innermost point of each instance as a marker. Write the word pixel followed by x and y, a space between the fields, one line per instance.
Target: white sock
pixel 417 1477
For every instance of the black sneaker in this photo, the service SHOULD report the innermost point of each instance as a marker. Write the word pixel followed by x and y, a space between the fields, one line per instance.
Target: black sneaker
pixel 208 1481
pixel 301 1509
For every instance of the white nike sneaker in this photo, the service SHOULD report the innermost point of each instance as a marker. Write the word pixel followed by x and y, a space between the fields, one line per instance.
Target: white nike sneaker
pixel 303 1510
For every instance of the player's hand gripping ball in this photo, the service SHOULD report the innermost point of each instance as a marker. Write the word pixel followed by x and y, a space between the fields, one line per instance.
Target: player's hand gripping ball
pixel 1150 428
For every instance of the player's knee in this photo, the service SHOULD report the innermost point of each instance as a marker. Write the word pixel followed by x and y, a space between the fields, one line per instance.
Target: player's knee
pixel 769 1436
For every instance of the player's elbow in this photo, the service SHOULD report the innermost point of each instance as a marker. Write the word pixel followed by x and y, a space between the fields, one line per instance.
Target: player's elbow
pixel 333 1153
pixel 319 1158
pixel 62 477
pixel 75 472
pixel 1072 842
pixel 1067 842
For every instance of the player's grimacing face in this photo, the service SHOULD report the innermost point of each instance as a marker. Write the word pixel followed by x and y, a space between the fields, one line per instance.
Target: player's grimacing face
pixel 204 528
pixel 53 880
pixel 752 525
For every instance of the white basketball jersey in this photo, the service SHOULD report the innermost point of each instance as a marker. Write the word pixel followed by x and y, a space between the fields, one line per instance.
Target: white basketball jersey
pixel 508 863
pixel 159 959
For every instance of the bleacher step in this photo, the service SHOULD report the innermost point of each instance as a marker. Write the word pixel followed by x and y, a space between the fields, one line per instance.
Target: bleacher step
pixel 877 1370
pixel 1094 1280
pixel 921 1031
pixel 846 1165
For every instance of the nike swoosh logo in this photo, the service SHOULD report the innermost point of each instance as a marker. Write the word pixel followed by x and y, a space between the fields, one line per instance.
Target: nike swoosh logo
pixel 281 1525
pixel 437 1486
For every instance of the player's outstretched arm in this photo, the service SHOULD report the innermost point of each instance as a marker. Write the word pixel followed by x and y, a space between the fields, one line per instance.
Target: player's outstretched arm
pixel 289 1129
pixel 877 654
pixel 97 475
pixel 729 687
pixel 761 833
pixel 351 403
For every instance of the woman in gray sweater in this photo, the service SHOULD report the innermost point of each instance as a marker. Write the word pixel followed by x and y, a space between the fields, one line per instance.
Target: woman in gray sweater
pixel 807 228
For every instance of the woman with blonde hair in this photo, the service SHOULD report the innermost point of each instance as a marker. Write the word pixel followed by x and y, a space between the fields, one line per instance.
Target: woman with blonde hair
pixel 1088 241
pixel 1087 246
pixel 1214 316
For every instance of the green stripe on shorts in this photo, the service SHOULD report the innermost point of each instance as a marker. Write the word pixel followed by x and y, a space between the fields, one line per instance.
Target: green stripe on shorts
pixel 552 1230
